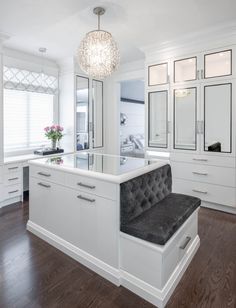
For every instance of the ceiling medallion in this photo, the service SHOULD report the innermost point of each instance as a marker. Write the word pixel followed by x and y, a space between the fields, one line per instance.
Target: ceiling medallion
pixel 98 54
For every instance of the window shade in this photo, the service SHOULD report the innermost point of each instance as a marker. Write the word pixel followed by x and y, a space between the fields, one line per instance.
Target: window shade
pixel 25 116
pixel 24 80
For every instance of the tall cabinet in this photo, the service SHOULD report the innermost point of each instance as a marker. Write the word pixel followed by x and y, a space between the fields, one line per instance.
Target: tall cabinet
pixel 191 115
pixel 81 109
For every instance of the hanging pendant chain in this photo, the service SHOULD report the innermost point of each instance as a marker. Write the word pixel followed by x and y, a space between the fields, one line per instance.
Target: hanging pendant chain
pixel 98 21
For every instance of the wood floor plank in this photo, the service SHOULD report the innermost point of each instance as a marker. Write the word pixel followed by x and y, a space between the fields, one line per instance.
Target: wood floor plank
pixel 34 274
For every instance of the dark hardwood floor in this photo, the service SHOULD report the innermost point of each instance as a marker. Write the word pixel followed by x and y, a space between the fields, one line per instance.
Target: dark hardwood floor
pixel 34 274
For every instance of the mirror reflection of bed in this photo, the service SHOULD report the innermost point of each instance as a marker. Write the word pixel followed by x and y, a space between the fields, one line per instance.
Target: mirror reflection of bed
pixel 132 114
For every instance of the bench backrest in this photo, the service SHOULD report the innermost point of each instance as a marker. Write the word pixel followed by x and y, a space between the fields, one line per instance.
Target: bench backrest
pixel 141 193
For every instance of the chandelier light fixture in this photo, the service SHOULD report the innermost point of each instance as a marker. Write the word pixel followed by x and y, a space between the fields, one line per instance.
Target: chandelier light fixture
pixel 98 54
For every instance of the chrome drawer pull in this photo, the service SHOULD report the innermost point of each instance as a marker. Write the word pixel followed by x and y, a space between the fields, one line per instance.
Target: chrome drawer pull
pixel 14 191
pixel 44 174
pixel 86 199
pixel 200 159
pixel 200 191
pixel 200 173
pixel 86 185
pixel 13 179
pixel 188 239
pixel 44 185
pixel 13 168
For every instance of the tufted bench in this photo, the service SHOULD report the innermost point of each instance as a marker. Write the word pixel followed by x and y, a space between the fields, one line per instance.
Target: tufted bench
pixel 150 211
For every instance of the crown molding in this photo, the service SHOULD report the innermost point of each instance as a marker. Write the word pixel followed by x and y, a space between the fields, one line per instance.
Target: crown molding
pixel 222 34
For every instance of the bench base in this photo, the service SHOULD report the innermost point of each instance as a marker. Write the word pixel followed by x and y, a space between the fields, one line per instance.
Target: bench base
pixel 153 271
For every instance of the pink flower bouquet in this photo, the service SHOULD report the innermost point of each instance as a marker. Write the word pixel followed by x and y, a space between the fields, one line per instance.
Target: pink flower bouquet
pixel 54 132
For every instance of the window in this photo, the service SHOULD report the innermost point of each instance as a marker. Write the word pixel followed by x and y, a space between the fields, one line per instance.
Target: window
pixel 25 116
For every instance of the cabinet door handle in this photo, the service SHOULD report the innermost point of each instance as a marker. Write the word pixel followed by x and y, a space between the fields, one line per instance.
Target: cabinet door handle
pixel 44 174
pixel 184 245
pixel 200 173
pixel 86 185
pixel 12 168
pixel 85 198
pixel 200 159
pixel 13 191
pixel 200 191
pixel 198 75
pixel 13 179
pixel 202 74
pixel 44 185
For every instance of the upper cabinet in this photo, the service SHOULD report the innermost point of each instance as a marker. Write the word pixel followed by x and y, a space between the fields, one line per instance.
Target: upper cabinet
pixel 185 69
pixel 158 74
pixel 198 116
pixel 158 119
pixel 218 117
pixel 218 64
pixel 89 113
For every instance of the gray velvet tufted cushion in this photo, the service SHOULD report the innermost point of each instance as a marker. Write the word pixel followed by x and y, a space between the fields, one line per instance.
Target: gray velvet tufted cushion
pixel 159 223
pixel 141 193
pixel 148 209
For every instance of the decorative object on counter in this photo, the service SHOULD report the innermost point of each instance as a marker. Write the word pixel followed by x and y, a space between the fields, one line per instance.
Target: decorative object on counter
pixel 98 54
pixel 48 151
pixel 123 119
pixel 54 133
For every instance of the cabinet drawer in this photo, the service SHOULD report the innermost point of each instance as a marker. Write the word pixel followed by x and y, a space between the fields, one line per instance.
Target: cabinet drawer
pixel 47 174
pixel 179 247
pixel 212 160
pixel 204 173
pixel 12 178
pixel 12 191
pixel 206 192
pixel 93 186
pixel 11 168
pixel 1 174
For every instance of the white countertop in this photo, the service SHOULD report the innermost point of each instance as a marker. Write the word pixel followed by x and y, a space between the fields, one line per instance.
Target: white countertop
pixel 111 168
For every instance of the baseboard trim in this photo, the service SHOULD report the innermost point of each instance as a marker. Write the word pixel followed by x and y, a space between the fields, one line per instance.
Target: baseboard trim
pixel 156 296
pixel 219 207
pixel 108 272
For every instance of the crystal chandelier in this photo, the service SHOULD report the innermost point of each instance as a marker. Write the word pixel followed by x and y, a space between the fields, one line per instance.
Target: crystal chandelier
pixel 98 54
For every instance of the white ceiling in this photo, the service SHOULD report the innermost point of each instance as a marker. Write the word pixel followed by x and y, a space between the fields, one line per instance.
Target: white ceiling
pixel 59 25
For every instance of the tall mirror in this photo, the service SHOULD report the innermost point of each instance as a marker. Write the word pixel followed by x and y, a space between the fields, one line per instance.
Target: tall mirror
pixel 218 117
pixel 97 86
pixel 158 119
pixel 82 113
pixel 185 116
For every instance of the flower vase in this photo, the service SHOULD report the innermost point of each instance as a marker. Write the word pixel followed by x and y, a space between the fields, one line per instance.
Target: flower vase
pixel 54 144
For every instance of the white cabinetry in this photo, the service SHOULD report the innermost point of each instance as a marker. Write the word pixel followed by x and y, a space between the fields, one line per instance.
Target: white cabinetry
pixel 83 215
pixel 200 123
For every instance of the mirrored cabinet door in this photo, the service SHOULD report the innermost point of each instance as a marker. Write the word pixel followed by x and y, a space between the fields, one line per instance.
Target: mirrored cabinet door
pixel 218 118
pixel 185 118
pixel 82 113
pixel 97 88
pixel 185 69
pixel 158 74
pixel 158 119
pixel 218 64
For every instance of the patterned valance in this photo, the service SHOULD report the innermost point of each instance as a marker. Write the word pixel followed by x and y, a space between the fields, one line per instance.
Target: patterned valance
pixel 23 80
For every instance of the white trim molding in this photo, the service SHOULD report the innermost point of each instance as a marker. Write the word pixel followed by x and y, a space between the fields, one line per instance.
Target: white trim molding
pixel 108 272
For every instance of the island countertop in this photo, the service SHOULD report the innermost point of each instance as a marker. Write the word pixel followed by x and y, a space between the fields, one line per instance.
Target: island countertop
pixel 111 168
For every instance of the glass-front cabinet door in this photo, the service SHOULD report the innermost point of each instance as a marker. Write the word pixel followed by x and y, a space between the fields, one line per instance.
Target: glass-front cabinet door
pixel 158 74
pixel 185 69
pixel 158 119
pixel 97 119
pixel 185 119
pixel 218 64
pixel 82 113
pixel 218 117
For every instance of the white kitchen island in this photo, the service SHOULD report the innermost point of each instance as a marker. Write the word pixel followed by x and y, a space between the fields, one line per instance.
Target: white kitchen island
pixel 75 206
